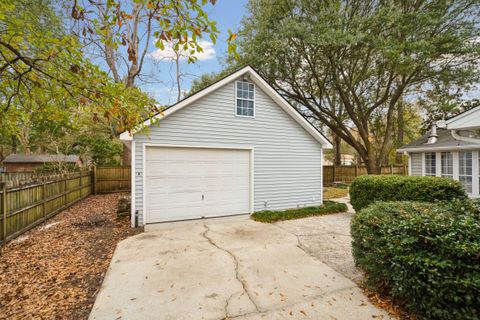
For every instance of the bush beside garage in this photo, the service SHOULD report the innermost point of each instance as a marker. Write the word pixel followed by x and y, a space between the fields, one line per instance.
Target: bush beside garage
pixel 423 254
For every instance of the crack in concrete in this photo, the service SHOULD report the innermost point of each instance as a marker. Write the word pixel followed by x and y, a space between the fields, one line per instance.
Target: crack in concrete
pixel 319 234
pixel 237 274
pixel 299 243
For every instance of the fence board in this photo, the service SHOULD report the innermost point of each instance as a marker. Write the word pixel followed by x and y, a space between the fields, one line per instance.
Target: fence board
pixel 346 174
pixel 24 207
pixel 112 179
pixel 28 199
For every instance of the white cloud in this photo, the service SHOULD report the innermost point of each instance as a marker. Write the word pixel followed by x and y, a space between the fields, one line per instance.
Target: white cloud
pixel 168 54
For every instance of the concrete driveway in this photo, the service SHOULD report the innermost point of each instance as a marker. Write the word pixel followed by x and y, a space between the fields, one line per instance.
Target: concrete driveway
pixel 224 269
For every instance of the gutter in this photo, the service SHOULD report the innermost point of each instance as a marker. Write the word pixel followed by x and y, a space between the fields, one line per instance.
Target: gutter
pixel 462 138
pixel 446 148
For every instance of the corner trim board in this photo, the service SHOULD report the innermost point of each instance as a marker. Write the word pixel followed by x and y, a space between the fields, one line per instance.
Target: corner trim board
pixel 132 182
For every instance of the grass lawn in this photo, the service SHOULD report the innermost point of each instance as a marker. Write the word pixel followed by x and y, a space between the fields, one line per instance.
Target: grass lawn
pixel 274 216
pixel 334 192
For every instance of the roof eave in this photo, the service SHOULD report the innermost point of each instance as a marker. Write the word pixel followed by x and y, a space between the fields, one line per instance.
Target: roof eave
pixel 442 148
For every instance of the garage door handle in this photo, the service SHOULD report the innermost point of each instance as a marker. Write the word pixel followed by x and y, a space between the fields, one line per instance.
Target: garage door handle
pixel 203 197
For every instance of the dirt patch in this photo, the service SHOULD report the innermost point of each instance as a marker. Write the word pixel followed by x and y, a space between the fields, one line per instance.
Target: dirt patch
pixel 56 272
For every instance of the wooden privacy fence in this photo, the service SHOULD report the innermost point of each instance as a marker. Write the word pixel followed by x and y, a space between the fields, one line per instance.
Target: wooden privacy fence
pixel 111 179
pixel 30 199
pixel 347 174
pixel 24 207
pixel 22 178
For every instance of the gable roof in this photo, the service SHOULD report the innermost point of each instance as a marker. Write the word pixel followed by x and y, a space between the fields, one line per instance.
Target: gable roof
pixel 40 158
pixel 466 120
pixel 260 82
pixel 445 142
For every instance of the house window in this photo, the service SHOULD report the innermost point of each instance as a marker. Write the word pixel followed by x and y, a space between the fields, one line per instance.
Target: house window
pixel 430 164
pixel 447 165
pixel 465 170
pixel 245 99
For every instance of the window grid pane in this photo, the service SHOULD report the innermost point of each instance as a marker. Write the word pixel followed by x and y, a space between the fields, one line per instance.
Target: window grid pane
pixel 430 164
pixel 447 165
pixel 465 169
pixel 245 99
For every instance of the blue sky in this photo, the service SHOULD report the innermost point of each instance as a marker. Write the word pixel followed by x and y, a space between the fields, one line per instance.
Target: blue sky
pixel 227 14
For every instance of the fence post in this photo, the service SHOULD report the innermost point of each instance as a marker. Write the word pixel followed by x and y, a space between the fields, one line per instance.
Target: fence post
pixel 391 169
pixel 333 174
pixel 94 178
pixel 405 169
pixel 4 210
pixel 44 199
pixel 356 170
pixel 65 184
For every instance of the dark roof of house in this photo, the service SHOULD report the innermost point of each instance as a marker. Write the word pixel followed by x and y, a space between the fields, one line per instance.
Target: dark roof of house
pixel 40 158
pixel 445 140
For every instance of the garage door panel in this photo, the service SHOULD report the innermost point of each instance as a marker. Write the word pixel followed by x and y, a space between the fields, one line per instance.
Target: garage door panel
pixel 188 183
pixel 174 198
pixel 158 185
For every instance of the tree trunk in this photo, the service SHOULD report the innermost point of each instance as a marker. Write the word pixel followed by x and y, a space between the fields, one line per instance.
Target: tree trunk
pixel 14 144
pixel 400 130
pixel 372 167
pixel 337 157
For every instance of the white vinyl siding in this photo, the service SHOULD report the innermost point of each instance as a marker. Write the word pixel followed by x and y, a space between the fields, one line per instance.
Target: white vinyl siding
pixel 287 159
pixel 416 164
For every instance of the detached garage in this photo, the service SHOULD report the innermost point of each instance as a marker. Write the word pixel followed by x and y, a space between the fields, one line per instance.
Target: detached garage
pixel 233 148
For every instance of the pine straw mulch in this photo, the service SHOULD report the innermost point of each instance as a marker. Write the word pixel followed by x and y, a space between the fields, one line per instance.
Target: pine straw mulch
pixel 55 270
pixel 387 304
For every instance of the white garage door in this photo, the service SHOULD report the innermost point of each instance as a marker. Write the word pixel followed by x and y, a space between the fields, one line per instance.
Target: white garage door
pixel 190 183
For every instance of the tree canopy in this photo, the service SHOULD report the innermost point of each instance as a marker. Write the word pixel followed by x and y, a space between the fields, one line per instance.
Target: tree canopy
pixel 350 64
pixel 53 95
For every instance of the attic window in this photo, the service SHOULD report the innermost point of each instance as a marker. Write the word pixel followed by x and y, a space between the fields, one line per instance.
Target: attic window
pixel 245 99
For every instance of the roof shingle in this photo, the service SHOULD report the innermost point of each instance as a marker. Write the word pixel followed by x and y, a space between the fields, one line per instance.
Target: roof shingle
pixel 40 158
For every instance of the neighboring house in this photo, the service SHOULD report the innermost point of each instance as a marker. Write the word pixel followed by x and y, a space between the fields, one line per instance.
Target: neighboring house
pixel 347 159
pixel 234 147
pixel 29 162
pixel 452 151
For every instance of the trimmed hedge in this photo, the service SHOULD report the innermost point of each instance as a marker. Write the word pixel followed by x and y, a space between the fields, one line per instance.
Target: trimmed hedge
pixel 367 189
pixel 274 216
pixel 424 255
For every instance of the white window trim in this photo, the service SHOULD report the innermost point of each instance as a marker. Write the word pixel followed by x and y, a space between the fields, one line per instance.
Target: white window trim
pixel 439 155
pixel 133 172
pixel 235 101
pixel 438 164
pixel 409 164
pixel 424 171
pixel 476 174
pixel 423 164
pixel 456 168
pixel 474 181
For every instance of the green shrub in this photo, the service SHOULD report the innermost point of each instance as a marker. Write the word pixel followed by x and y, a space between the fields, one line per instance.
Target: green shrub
pixel 273 216
pixel 365 190
pixel 424 255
